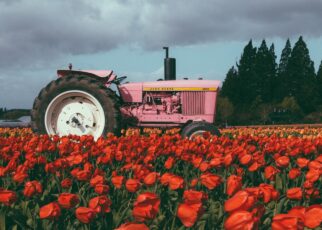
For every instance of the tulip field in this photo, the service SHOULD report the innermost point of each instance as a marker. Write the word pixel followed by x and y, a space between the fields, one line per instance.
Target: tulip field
pixel 263 178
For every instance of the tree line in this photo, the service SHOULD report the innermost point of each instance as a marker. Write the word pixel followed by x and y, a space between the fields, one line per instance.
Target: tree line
pixel 258 90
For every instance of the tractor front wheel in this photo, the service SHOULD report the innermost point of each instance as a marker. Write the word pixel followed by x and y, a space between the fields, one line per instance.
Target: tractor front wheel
pixel 76 105
pixel 198 129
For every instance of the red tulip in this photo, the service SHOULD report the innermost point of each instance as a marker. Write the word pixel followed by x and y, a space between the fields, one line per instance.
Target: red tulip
pixel 132 185
pixel 312 175
pixel 117 181
pixel 98 179
pixel 239 220
pixel 176 182
pixel 189 213
pixel 294 173
pixel 146 206
pixel 269 192
pixel 294 193
pixel 7 197
pixel 169 163
pixel 85 215
pixel 270 172
pixel 192 196
pixel 19 177
pixel 286 221
pixel 165 178
pixel 302 162
pixel 282 161
pixel 32 188
pixel 100 204
pixel 241 201
pixel 313 216
pixel 245 159
pixel 83 175
pixel 102 189
pixel 233 185
pixel 68 200
pixel 216 162
pixel 151 178
pixel 203 166
pixel 132 226
pixel 66 183
pixel 299 212
pixel 210 180
pixel 50 211
pixel 193 182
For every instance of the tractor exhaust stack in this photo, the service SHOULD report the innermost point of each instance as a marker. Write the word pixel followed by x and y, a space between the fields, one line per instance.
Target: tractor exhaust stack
pixel 169 66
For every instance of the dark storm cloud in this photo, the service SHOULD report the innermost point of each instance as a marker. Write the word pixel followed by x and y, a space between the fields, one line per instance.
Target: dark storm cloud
pixel 34 32
pixel 37 36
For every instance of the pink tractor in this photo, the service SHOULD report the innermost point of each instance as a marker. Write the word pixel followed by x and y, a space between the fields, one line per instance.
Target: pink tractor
pixel 81 102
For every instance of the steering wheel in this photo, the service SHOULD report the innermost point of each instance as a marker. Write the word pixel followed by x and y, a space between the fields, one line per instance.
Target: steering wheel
pixel 118 80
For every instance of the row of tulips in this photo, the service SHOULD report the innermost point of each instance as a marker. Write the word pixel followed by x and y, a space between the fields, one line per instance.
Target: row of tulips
pixel 241 180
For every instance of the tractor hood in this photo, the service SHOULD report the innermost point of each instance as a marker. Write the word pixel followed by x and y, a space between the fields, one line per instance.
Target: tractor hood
pixel 132 92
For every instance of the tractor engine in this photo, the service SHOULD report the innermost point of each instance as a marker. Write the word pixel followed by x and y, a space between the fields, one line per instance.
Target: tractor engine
pixel 161 102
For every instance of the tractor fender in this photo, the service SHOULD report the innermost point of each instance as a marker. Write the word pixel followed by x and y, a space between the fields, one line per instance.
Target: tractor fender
pixel 98 74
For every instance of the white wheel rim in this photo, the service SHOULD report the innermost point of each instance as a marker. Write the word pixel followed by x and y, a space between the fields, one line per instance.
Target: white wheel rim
pixel 75 112
pixel 196 133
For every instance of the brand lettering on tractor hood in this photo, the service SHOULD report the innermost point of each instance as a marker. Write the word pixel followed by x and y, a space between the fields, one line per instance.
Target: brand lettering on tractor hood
pixel 178 89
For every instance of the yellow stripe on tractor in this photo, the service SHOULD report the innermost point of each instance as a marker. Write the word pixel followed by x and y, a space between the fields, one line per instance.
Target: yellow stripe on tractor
pixel 178 89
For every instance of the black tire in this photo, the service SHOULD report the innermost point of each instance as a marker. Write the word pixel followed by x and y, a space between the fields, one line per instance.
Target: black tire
pixel 193 127
pixel 106 97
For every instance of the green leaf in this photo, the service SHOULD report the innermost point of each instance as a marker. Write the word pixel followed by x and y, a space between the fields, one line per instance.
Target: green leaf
pixel 2 221
pixel 201 225
pixel 278 182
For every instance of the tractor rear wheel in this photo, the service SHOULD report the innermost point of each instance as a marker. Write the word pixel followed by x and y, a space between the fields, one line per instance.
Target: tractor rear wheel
pixel 77 105
pixel 198 128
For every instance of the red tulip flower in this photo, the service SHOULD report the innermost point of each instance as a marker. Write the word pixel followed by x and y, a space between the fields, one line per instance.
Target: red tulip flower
pixel 233 185
pixel 85 215
pixel 241 201
pixel 100 204
pixel 210 180
pixel 294 173
pixel 117 181
pixel 98 179
pixel 132 185
pixel 239 220
pixel 146 206
pixel 66 183
pixel 132 226
pixel 32 188
pixel 313 216
pixel 151 178
pixel 282 161
pixel 286 221
pixel 7 197
pixel 294 193
pixel 102 189
pixel 50 211
pixel 68 200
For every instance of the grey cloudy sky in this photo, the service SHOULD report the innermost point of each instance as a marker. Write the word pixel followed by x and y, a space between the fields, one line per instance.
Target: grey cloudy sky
pixel 39 36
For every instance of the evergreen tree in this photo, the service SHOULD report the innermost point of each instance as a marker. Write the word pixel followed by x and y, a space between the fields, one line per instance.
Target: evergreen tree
pixel 265 68
pixel 300 77
pixel 281 82
pixel 246 76
pixel 273 69
pixel 230 85
pixel 319 83
pixel 285 56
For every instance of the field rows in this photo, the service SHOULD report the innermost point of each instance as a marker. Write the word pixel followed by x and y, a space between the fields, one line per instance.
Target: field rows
pixel 247 178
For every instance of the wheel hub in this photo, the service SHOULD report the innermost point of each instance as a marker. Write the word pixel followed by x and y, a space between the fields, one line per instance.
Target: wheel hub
pixel 75 112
